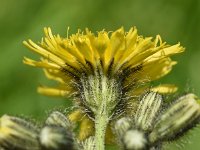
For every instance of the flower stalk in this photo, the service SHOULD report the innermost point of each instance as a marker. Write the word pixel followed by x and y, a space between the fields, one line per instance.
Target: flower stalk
pixel 101 96
pixel 101 121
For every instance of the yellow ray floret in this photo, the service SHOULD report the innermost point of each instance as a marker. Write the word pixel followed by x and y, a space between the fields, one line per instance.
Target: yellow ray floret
pixel 126 49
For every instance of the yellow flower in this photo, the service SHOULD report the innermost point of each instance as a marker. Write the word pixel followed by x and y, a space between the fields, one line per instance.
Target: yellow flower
pixel 85 64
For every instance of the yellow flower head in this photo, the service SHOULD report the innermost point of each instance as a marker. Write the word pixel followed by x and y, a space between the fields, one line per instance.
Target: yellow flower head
pixel 109 66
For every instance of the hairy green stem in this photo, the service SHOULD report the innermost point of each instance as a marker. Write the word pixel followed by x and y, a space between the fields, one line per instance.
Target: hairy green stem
pixel 101 121
pixel 101 95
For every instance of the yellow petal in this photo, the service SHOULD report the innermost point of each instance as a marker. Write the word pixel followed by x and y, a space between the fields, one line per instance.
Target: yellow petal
pixel 118 45
pixel 53 91
pixel 165 88
pixel 166 52
pixel 42 64
pixel 109 137
pixel 101 43
pixel 54 47
pixel 58 75
pixel 73 51
pixel 155 70
pixel 76 115
pixel 31 45
pixel 83 45
pixel 55 75
pixel 143 44
pixel 130 43
pixel 116 41
pixel 86 128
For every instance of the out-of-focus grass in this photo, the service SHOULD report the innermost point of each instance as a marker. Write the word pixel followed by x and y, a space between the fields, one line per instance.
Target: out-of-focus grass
pixel 176 20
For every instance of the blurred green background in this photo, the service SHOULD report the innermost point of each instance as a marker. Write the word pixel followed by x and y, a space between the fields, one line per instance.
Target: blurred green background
pixel 174 20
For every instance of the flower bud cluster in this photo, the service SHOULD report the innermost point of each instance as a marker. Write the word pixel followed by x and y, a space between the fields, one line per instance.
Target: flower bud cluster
pixel 19 134
pixel 151 126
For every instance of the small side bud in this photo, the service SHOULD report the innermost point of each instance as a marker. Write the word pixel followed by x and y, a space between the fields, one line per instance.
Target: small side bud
pixel 148 110
pixel 178 118
pixel 122 125
pixel 16 133
pixel 134 140
pixel 56 138
pixel 89 144
pixel 58 119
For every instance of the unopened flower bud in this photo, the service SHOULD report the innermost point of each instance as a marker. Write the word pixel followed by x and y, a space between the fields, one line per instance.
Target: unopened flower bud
pixel 181 115
pixel 56 138
pixel 134 140
pixel 16 133
pixel 122 125
pixel 58 119
pixel 89 144
pixel 148 110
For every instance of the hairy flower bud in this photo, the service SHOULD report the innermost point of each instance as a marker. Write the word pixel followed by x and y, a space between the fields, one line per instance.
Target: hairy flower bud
pixel 122 125
pixel 58 119
pixel 16 133
pixel 179 117
pixel 56 138
pixel 57 134
pixel 134 140
pixel 89 144
pixel 148 110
